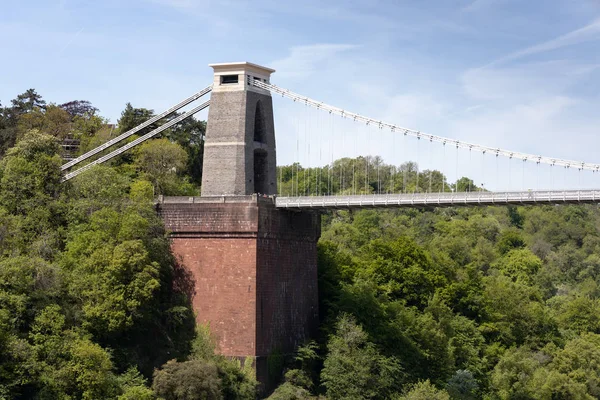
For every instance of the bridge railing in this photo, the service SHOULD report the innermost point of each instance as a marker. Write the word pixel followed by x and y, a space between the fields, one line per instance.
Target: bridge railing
pixel 440 199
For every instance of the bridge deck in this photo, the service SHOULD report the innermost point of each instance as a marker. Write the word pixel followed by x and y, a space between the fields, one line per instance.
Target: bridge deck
pixel 417 200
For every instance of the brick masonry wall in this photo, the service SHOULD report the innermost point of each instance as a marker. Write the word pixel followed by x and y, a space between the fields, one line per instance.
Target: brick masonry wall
pixel 255 271
pixel 224 271
pixel 287 296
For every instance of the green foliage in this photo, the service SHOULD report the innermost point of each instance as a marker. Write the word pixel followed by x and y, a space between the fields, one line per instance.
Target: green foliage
pixel 189 380
pixel 132 117
pixel 237 381
pixel 354 368
pixel 514 313
pixel 401 269
pixel 9 117
pixel 189 134
pixel 580 314
pixel 162 162
pixel 297 386
pixel 91 299
pixel 520 265
pixel 462 385
pixel 83 269
pixel 133 386
pixel 141 192
pixel 51 120
pixel 68 364
pixel 510 240
pixel 483 302
pixel 571 372
pixel 210 378
pixel 497 296
pixel 424 390
pixel 203 346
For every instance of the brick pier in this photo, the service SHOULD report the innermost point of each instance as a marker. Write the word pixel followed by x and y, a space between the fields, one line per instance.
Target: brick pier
pixel 255 271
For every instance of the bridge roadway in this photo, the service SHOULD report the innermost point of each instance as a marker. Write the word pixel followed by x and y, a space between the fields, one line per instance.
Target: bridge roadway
pixel 417 200
pixel 414 200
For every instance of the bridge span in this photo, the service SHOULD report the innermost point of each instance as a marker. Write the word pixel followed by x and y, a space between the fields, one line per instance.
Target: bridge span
pixel 410 200
pixel 448 199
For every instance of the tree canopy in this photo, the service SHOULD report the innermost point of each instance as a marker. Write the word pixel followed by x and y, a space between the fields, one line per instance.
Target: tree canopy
pixel 466 303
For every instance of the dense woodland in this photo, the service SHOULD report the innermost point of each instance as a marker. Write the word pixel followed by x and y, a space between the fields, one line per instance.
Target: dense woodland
pixel 452 303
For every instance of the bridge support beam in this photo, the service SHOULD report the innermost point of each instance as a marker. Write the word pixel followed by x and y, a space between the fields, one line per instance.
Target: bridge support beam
pixel 255 272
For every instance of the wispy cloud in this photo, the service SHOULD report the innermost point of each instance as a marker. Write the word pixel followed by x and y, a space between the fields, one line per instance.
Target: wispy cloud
pixel 304 61
pixel 590 32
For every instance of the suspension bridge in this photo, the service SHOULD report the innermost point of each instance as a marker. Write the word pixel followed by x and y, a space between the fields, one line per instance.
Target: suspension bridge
pixel 316 192
pixel 250 240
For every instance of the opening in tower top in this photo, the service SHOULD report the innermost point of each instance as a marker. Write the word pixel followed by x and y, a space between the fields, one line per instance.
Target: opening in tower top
pixel 229 79
pixel 259 124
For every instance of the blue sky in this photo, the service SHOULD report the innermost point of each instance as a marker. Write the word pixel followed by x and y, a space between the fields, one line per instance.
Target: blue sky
pixel 523 75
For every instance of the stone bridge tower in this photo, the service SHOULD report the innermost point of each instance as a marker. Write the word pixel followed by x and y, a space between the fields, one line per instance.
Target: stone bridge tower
pixel 239 152
pixel 254 266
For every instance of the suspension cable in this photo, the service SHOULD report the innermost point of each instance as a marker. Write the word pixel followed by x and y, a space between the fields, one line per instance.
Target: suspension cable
pixel 470 163
pixel 430 165
pixel 138 128
pixel 404 172
pixel 137 141
pixel 456 172
pixel 443 175
pixel 417 186
pixel 415 133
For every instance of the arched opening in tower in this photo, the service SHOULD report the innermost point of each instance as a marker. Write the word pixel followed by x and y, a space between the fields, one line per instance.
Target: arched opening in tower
pixel 259 124
pixel 260 171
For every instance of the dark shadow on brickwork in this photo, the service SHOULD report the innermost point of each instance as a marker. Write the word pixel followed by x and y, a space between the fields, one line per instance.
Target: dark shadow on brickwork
pixel 183 280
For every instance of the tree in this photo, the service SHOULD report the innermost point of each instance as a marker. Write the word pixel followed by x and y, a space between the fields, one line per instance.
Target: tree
pixel 161 162
pixel 465 184
pixel 401 269
pixel 189 380
pixel 69 364
pixel 134 386
pixel 87 126
pixel 580 314
pixel 27 102
pixel 23 104
pixel 510 239
pixel 111 271
pixel 30 174
pixel 462 385
pixel 424 390
pixel 79 108
pixel 51 120
pixel 354 368
pixel 511 376
pixel 296 387
pixel 513 313
pixel 572 372
pixel 132 117
pixel 120 268
pixel 520 265
pixel 85 266
pixel 189 134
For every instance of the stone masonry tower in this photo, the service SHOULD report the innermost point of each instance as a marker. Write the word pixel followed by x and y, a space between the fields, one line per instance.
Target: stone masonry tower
pixel 239 152
pixel 254 266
